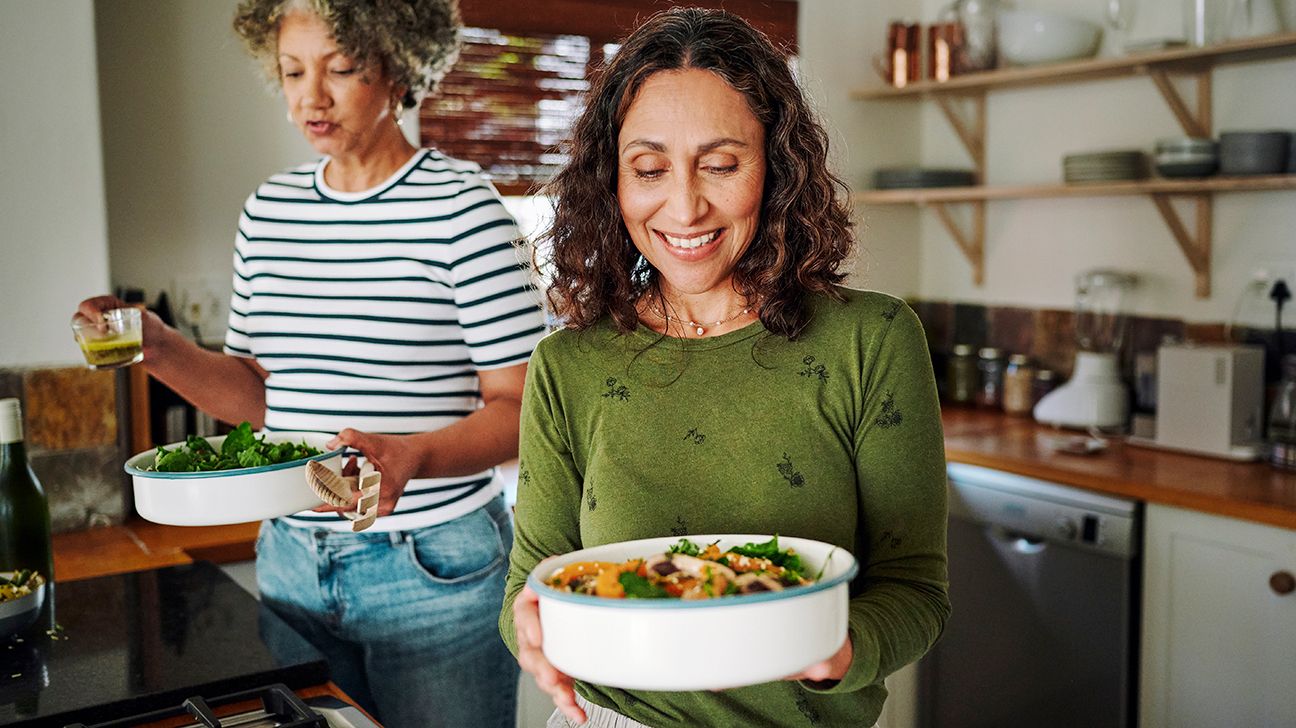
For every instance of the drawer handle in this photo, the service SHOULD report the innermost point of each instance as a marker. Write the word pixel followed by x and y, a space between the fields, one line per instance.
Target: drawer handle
pixel 1283 583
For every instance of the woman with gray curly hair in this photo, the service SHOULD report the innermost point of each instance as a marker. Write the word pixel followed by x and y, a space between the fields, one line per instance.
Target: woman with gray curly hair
pixel 377 294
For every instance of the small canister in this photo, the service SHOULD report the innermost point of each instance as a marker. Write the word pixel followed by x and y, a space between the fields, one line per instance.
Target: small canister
pixel 962 375
pixel 1019 381
pixel 1045 381
pixel 990 364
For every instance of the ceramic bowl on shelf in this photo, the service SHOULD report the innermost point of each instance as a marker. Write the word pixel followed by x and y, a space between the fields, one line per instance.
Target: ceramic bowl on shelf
pixel 1254 152
pixel 1033 37
pixel 222 497
pixel 695 644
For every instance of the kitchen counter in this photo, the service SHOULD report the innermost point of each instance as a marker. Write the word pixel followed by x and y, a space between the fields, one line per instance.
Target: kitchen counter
pixel 1249 491
pixel 133 643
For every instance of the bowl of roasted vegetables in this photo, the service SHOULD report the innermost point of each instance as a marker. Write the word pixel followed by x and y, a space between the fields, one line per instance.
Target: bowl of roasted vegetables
pixel 704 612
pixel 235 478
pixel 22 593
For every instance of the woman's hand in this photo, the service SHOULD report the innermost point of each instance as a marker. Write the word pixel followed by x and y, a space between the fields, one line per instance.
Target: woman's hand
pixel 526 621
pixel 832 669
pixel 154 331
pixel 395 456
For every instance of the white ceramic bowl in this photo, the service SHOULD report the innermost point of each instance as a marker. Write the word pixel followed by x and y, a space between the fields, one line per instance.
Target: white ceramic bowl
pixel 707 644
pixel 223 497
pixel 1031 37
pixel 18 614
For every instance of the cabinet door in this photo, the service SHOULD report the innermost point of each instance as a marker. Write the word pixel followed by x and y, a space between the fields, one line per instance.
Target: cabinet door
pixel 1219 644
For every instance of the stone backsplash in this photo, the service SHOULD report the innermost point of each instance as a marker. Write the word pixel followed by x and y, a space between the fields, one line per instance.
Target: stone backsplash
pixel 1048 335
pixel 73 419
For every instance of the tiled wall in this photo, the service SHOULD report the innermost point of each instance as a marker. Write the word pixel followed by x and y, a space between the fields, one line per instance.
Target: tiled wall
pixel 72 430
pixel 1048 335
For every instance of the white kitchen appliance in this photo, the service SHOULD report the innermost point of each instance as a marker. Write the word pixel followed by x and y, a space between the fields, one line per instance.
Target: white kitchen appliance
pixel 1095 396
pixel 1210 400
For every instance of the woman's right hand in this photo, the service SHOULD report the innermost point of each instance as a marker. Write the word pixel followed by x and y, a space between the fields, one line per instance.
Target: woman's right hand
pixel 154 331
pixel 526 621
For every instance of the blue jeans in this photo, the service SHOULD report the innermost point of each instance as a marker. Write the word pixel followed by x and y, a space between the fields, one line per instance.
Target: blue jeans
pixel 408 619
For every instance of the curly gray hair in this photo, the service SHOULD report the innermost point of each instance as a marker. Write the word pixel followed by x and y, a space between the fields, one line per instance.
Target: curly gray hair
pixel 414 41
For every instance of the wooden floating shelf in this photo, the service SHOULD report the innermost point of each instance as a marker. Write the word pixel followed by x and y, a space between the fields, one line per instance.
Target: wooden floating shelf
pixel 1173 60
pixel 930 195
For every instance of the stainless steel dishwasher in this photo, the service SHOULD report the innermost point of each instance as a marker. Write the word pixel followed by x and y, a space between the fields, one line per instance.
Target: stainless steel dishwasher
pixel 1044 586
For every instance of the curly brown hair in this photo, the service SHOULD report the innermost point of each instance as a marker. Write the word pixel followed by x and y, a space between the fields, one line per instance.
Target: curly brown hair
pixel 805 229
pixel 415 42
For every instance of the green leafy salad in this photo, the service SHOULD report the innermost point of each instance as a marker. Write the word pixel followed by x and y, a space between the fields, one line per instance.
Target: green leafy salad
pixel 241 449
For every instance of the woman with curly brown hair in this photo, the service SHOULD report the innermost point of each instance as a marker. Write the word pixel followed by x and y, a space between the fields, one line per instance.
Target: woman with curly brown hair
pixel 713 377
pixel 378 294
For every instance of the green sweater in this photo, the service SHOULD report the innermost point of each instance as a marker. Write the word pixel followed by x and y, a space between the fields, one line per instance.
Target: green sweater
pixel 835 436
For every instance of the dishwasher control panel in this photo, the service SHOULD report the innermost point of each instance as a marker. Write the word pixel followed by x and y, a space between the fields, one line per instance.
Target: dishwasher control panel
pixel 1040 510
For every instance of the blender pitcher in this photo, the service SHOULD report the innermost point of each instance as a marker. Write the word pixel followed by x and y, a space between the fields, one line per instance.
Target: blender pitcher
pixel 1095 397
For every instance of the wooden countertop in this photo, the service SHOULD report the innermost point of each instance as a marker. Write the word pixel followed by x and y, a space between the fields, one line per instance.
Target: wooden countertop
pixel 138 545
pixel 1250 491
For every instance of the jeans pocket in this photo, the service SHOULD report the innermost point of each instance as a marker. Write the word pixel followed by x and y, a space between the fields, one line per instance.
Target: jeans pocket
pixel 466 549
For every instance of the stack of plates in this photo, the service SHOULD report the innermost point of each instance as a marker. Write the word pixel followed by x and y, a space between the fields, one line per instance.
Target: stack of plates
pixel 1186 157
pixel 895 178
pixel 1104 166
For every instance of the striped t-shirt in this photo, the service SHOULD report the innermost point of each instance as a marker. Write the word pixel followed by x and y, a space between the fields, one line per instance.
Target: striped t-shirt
pixel 375 309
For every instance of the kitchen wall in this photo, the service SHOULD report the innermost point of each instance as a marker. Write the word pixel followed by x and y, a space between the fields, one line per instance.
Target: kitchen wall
pixel 51 192
pixel 1035 247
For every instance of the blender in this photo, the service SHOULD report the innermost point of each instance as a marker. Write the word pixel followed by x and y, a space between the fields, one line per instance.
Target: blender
pixel 1095 397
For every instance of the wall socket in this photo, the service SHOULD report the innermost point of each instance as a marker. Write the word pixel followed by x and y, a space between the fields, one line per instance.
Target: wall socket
pixel 200 306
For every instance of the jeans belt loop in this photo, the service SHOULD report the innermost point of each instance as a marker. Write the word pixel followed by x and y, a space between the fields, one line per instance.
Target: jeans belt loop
pixel 396 537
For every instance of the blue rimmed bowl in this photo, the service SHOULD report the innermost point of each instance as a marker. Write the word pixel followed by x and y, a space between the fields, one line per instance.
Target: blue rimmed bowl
pixel 706 644
pixel 222 497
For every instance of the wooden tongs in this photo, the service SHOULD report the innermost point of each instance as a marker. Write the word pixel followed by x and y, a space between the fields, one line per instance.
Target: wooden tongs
pixel 341 491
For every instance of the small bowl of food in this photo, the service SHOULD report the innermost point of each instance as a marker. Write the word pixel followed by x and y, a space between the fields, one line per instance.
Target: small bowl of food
pixel 234 478
pixel 687 614
pixel 22 594
pixel 115 341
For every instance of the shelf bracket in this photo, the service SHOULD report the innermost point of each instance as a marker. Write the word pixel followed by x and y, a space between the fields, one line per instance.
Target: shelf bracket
pixel 972 131
pixel 1195 123
pixel 1196 245
pixel 971 242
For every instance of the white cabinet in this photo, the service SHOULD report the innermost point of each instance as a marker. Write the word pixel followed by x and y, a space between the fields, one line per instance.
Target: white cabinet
pixel 1219 640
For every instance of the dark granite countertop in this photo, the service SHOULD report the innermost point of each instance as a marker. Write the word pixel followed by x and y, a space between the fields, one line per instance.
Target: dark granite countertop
pixel 146 640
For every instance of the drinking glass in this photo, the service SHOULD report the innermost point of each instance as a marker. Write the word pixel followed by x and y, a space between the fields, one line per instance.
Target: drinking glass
pixel 114 342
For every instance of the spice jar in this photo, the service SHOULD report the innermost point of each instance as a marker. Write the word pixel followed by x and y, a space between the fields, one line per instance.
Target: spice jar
pixel 1045 381
pixel 991 366
pixel 1019 380
pixel 962 375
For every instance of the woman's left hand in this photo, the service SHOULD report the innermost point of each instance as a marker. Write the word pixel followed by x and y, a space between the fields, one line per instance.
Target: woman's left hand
pixel 834 668
pixel 392 455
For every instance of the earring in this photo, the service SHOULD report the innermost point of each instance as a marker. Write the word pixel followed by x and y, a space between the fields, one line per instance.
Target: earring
pixel 396 114
pixel 290 119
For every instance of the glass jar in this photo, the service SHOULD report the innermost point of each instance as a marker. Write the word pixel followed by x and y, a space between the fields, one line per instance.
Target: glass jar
pixel 1045 381
pixel 1019 380
pixel 980 38
pixel 961 375
pixel 1281 432
pixel 990 364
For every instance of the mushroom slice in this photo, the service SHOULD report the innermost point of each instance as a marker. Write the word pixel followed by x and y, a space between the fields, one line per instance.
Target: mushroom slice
pixel 661 565
pixel 701 567
pixel 752 583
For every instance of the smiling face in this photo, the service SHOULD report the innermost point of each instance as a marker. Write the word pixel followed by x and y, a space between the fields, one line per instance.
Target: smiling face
pixel 342 107
pixel 690 179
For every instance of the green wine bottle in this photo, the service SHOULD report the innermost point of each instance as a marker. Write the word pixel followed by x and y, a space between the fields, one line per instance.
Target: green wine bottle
pixel 24 511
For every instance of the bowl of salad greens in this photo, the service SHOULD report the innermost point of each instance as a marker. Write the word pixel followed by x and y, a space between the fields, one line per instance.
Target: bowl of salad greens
pixel 235 478
pixel 704 612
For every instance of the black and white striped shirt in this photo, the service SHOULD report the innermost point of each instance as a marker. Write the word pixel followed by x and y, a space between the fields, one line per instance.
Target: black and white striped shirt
pixel 375 309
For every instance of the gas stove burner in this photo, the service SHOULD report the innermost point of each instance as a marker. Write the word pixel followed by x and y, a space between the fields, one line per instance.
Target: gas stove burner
pixel 280 708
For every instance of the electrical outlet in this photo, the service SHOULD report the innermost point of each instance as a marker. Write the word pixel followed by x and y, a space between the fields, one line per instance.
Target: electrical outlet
pixel 199 306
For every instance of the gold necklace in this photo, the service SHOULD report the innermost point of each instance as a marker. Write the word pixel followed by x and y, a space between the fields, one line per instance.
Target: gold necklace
pixel 700 326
